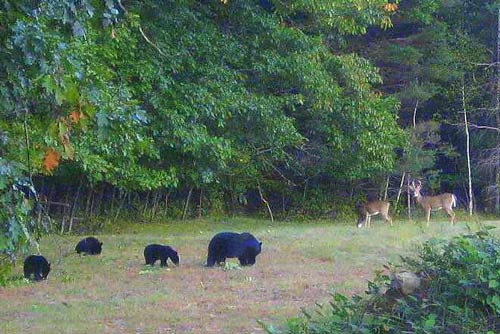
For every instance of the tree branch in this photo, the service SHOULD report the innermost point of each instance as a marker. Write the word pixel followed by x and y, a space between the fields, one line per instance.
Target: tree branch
pixel 472 125
pixel 265 202
pixel 151 43
pixel 142 32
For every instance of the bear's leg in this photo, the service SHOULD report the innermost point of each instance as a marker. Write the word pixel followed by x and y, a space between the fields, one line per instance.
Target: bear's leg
pixel 221 259
pixel 214 257
pixel 27 272
pixel 163 262
pixel 210 260
pixel 38 275
pixel 243 261
pixel 150 260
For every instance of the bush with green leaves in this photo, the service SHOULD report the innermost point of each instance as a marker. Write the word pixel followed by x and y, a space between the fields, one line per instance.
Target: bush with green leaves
pixel 460 293
pixel 18 228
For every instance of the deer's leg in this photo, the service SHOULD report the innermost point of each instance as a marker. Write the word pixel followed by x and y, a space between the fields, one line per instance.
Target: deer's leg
pixel 451 214
pixel 428 212
pixel 387 218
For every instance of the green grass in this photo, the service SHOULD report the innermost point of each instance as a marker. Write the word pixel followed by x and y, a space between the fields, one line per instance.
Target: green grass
pixel 115 292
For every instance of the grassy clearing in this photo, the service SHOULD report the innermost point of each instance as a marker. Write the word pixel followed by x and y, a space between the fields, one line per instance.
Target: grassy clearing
pixel 116 293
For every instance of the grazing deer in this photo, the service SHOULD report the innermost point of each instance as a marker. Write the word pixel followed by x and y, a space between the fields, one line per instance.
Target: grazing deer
pixel 367 210
pixel 445 201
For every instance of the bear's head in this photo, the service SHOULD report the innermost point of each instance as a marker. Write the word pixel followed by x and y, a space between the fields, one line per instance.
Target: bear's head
pixel 99 247
pixel 174 256
pixel 45 271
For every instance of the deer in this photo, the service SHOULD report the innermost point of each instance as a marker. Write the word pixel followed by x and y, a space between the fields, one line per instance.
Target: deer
pixel 445 201
pixel 372 208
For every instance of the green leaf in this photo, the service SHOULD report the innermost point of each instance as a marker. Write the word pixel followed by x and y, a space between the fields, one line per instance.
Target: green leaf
pixel 430 321
pixel 495 300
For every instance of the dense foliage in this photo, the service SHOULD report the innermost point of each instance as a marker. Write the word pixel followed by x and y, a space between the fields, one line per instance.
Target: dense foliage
pixel 438 59
pixel 132 106
pixel 460 293
pixel 159 95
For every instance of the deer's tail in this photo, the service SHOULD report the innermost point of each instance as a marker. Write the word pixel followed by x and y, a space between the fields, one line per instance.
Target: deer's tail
pixel 453 201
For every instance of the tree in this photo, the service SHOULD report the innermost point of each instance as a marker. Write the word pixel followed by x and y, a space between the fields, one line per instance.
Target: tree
pixel 156 96
pixel 424 59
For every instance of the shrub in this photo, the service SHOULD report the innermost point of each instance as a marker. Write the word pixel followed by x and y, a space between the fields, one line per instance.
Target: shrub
pixel 19 229
pixel 460 293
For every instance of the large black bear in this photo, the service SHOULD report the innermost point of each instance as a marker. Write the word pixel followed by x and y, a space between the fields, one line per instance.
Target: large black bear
pixel 155 252
pixel 37 266
pixel 90 246
pixel 224 245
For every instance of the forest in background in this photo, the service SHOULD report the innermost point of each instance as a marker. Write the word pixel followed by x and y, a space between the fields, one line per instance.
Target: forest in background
pixel 154 109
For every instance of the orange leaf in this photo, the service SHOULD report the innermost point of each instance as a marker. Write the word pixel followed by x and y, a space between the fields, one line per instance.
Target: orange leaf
pixel 390 7
pixel 50 160
pixel 75 116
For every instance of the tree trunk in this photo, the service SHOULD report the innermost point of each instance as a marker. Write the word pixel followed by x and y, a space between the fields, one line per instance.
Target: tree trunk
pixel 409 198
pixel 66 200
pixel 129 198
pixel 146 203
pixel 386 188
pixel 267 204
pixel 92 203
pixel 87 205
pixel 187 203
pixel 200 203
pixel 401 184
pixel 100 198
pixel 414 119
pixel 113 199
pixel 305 190
pixel 166 204
pixel 122 199
pixel 497 113
pixel 75 205
pixel 467 137
pixel 497 192
pixel 283 203
pixel 156 199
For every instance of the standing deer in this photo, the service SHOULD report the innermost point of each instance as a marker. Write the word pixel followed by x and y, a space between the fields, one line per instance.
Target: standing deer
pixel 369 209
pixel 445 201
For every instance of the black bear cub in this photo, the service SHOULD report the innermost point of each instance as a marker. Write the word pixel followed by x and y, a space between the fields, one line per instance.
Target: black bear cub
pixel 155 252
pixel 89 246
pixel 36 266
pixel 224 245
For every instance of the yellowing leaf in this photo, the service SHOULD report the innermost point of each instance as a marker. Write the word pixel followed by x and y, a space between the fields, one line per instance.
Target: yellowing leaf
pixel 75 116
pixel 390 7
pixel 50 160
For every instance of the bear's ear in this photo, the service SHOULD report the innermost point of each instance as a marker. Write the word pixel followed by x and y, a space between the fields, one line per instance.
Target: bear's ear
pixel 100 243
pixel 49 265
pixel 260 243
